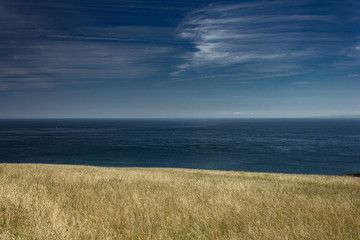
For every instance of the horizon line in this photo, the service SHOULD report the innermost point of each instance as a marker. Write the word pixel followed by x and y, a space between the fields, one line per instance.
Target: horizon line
pixel 174 118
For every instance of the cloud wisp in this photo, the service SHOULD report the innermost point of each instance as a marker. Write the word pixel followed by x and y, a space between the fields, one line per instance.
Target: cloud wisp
pixel 253 37
pixel 302 83
pixel 63 62
pixel 38 52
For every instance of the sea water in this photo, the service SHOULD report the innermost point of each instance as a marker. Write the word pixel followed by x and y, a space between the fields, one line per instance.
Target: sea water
pixel 308 146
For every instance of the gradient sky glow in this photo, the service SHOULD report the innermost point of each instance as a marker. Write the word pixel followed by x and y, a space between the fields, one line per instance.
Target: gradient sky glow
pixel 145 59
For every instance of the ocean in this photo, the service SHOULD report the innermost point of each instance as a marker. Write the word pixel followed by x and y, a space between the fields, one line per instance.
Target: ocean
pixel 306 146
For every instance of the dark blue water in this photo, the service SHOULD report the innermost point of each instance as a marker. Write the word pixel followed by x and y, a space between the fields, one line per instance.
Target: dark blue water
pixel 310 146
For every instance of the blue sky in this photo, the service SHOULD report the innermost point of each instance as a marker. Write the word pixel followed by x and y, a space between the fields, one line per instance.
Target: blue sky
pixel 190 59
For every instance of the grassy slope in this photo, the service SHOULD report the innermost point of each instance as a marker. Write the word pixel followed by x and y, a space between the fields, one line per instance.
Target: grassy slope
pixel 79 202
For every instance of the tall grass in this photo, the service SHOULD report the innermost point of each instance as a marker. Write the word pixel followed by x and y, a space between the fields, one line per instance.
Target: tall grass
pixel 80 202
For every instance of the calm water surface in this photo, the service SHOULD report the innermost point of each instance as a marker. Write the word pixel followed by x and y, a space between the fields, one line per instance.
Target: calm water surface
pixel 311 146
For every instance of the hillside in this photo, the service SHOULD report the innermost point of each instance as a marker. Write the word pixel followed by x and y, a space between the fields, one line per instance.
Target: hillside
pixel 81 202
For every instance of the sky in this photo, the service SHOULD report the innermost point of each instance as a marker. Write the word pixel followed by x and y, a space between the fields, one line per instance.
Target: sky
pixel 179 59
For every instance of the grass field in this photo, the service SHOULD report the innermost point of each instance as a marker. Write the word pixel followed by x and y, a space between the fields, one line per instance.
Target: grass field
pixel 80 202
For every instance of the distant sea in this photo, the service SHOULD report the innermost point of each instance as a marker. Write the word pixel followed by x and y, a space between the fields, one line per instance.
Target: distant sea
pixel 307 146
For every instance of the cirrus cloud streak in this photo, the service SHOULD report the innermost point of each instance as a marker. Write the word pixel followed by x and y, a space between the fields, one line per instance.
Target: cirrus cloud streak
pixel 260 39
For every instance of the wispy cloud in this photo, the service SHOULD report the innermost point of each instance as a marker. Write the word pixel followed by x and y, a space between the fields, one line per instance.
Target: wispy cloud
pixel 88 37
pixel 68 62
pixel 243 113
pixel 353 75
pixel 37 50
pixel 34 53
pixel 302 83
pixel 353 51
pixel 268 33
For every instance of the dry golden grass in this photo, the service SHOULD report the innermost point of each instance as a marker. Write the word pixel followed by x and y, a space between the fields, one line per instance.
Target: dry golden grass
pixel 79 202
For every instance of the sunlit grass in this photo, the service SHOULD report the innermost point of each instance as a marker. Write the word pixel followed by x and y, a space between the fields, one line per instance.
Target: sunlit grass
pixel 79 202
